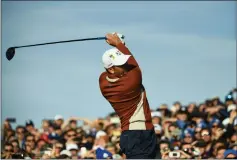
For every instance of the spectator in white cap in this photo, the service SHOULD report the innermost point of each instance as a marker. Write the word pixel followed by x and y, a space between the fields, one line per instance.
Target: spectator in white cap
pixel 100 133
pixel 65 154
pixel 232 110
pixel 58 120
pixel 73 148
pixel 156 117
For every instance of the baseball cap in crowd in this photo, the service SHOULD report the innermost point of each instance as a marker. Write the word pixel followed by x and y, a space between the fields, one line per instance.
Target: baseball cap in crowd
pixel 29 123
pixel 71 146
pixel 66 152
pixel 162 107
pixel 231 107
pixel 103 154
pixel 230 151
pixel 44 136
pixel 156 114
pixel 181 124
pixel 57 117
pixel 213 121
pixel 113 57
pixel 189 132
pixel 99 134
pixel 201 125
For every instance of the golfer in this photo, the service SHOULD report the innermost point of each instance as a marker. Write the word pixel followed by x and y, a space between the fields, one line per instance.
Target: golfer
pixel 121 85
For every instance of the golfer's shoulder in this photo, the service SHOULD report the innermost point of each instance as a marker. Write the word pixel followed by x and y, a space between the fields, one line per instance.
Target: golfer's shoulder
pixel 102 77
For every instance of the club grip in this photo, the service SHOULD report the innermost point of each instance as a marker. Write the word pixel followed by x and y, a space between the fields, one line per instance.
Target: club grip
pixel 101 38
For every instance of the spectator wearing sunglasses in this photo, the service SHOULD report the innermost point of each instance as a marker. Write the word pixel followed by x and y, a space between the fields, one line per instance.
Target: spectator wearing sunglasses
pixel 206 137
pixel 8 151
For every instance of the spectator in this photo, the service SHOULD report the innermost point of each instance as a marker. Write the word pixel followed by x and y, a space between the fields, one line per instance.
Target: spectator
pixel 220 152
pixel 30 146
pixel 156 117
pixel 15 145
pixel 8 134
pixel 164 147
pixel 20 134
pixel 230 154
pixel 29 126
pixel 41 145
pixel 200 149
pixel 203 131
pixel 73 148
pixel 57 149
pixel 58 120
pixel 206 137
pixel 182 116
pixel 165 112
pixel 8 151
pixel 176 106
pixel 187 148
pixel 191 108
pixel 70 135
pixel 188 136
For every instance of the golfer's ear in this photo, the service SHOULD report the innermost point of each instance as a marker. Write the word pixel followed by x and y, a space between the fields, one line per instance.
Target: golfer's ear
pixel 111 70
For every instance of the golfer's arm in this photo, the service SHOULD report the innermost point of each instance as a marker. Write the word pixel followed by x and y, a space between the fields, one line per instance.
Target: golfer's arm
pixel 126 51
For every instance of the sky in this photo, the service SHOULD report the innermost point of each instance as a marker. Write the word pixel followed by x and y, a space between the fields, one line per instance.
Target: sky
pixel 186 51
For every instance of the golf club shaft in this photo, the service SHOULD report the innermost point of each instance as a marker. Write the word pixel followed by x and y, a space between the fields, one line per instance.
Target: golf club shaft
pixel 40 44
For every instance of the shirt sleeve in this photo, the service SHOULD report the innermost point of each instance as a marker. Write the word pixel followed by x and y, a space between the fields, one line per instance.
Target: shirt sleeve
pixel 122 48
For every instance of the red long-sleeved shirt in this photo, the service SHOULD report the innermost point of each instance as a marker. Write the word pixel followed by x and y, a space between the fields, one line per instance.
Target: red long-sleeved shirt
pixel 127 96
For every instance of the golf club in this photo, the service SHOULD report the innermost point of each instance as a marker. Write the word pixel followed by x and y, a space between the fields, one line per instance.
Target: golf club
pixel 11 51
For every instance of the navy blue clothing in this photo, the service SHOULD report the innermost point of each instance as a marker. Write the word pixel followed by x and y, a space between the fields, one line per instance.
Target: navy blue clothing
pixel 138 144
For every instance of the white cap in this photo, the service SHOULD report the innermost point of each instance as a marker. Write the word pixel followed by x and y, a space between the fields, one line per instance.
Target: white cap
pixel 99 134
pixel 113 57
pixel 48 153
pixel 57 117
pixel 231 107
pixel 156 114
pixel 66 152
pixel 71 146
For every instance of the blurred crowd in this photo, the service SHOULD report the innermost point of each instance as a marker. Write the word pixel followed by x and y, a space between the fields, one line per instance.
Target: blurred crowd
pixel 207 130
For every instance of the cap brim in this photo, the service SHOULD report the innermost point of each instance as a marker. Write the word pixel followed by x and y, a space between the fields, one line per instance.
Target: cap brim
pixel 121 60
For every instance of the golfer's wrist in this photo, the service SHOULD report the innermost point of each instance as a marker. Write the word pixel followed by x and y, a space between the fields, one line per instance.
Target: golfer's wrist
pixel 119 44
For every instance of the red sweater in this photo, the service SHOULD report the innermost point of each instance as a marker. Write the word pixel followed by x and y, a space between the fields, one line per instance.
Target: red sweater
pixel 127 96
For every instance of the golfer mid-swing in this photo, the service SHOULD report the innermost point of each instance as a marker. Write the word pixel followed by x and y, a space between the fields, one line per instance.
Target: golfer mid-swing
pixel 121 85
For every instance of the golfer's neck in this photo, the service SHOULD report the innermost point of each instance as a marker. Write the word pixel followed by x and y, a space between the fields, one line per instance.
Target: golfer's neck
pixel 112 76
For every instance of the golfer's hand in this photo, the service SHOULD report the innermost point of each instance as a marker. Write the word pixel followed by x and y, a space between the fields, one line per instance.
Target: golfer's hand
pixel 113 39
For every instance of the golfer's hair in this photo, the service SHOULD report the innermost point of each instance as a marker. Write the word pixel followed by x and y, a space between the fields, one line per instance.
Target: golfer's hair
pixel 125 66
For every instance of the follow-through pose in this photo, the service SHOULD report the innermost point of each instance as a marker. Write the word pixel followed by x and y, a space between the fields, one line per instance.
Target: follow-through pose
pixel 121 85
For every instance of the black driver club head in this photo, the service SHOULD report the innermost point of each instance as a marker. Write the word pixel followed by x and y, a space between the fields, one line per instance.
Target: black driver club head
pixel 10 53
